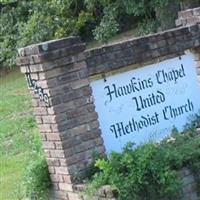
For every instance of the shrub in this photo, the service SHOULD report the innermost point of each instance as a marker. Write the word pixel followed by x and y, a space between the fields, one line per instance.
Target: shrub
pixel 147 27
pixel 149 171
pixel 24 22
pixel 36 178
pixel 108 26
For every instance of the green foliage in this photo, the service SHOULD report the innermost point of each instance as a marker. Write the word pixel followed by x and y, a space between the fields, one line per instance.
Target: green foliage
pixel 108 26
pixel 24 22
pixel 114 12
pixel 139 8
pixel 167 8
pixel 147 27
pixel 11 15
pixel 19 139
pixel 150 170
pixel 36 178
pixel 20 146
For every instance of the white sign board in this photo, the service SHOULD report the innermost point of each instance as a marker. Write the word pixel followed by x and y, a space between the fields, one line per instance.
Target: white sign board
pixel 144 104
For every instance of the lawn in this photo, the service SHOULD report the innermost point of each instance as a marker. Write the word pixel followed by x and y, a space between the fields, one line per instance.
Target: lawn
pixel 17 133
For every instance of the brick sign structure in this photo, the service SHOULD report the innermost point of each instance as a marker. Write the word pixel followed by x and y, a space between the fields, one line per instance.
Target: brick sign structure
pixel 145 104
pixel 60 74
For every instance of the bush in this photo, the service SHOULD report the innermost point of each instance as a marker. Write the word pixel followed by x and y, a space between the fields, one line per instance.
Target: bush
pixel 108 26
pixel 24 22
pixel 147 27
pixel 36 179
pixel 150 170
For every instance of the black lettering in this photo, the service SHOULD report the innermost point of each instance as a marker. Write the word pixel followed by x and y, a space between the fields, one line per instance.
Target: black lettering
pixel 113 130
pixel 137 104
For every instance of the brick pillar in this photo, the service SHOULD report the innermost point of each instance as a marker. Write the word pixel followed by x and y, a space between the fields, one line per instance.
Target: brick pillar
pixel 57 76
pixel 188 17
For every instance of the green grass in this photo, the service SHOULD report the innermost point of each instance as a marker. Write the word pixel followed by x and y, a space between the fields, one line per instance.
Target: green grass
pixel 17 132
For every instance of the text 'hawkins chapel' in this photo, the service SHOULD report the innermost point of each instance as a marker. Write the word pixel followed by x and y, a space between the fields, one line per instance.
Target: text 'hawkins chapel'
pixel 142 102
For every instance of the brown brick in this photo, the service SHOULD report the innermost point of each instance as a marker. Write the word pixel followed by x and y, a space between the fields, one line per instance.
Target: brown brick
pixel 57 153
pixel 69 152
pixel 49 119
pixel 99 141
pixel 87 118
pixel 79 57
pixel 65 125
pixel 53 136
pixel 55 127
pixel 43 84
pixel 53 73
pixel 77 66
pixel 179 22
pixel 63 162
pixel 185 14
pixel 94 124
pixel 45 128
pixel 23 69
pixel 83 73
pixel 38 119
pixel 67 78
pixel 53 162
pixel 22 60
pixel 51 169
pixel 61 170
pixel 90 135
pixel 80 129
pixel 70 114
pixel 39 111
pixel 65 187
pixel 43 136
pixel 86 145
pixel 78 157
pixel 48 145
pixel 37 68
pixel 100 149
pixel 61 108
pixel 41 104
pixel 70 142
pixel 55 178
pixel 83 101
pixel 73 196
pixel 67 178
pixel 79 83
pixel 58 145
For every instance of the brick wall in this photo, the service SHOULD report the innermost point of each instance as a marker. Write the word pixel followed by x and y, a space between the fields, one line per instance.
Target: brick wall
pixel 138 51
pixel 59 71
pixel 188 17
